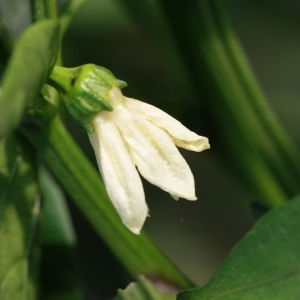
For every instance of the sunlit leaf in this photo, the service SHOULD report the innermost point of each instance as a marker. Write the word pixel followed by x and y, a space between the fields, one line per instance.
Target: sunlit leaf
pixel 19 208
pixel 264 265
pixel 33 57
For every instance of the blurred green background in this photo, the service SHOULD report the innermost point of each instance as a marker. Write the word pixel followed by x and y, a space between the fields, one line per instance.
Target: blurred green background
pixel 196 235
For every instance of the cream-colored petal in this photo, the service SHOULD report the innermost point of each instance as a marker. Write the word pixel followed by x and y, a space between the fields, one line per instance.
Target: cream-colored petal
pixel 183 137
pixel 122 181
pixel 155 154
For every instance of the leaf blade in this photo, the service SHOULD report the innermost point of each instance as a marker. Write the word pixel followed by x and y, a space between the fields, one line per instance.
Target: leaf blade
pixel 19 204
pixel 34 56
pixel 264 265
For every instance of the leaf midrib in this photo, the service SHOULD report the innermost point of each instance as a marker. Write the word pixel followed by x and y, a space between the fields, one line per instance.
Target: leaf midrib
pixel 254 285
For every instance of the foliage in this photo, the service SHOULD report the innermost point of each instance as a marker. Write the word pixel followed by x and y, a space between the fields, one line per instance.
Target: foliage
pixel 20 206
pixel 262 265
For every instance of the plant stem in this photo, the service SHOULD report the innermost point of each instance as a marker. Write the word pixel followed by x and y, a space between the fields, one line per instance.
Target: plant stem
pixel 286 153
pixel 244 123
pixel 51 9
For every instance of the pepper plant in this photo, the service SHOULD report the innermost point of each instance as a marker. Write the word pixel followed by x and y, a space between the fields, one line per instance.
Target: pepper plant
pixel 42 163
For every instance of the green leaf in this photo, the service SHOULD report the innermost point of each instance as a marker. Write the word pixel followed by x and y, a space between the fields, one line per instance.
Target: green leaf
pixel 138 254
pixel 33 58
pixel 19 209
pixel 144 289
pixel 264 265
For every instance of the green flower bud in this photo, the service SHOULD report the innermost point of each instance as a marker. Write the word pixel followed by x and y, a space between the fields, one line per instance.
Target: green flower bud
pixel 85 91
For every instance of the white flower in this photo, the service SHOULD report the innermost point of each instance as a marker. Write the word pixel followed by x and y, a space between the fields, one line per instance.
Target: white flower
pixel 139 135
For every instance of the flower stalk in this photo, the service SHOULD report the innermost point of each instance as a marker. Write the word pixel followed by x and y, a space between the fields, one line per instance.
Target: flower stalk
pixel 84 91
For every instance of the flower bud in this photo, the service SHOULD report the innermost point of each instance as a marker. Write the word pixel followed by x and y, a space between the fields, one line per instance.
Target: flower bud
pixel 85 91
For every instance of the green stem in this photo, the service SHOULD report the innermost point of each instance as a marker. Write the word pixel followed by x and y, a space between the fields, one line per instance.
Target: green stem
pixel 37 10
pixel 286 153
pixel 41 9
pixel 243 127
pixel 138 254
pixel 51 9
pixel 235 104
pixel 255 171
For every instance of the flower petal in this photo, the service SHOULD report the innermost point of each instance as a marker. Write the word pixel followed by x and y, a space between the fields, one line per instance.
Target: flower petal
pixel 122 181
pixel 155 154
pixel 183 137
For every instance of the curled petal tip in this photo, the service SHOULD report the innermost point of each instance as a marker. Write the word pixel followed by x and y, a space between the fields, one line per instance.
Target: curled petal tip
pixel 182 136
pixel 200 143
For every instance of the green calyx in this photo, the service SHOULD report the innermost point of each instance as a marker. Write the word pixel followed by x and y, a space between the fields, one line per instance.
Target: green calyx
pixel 85 91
